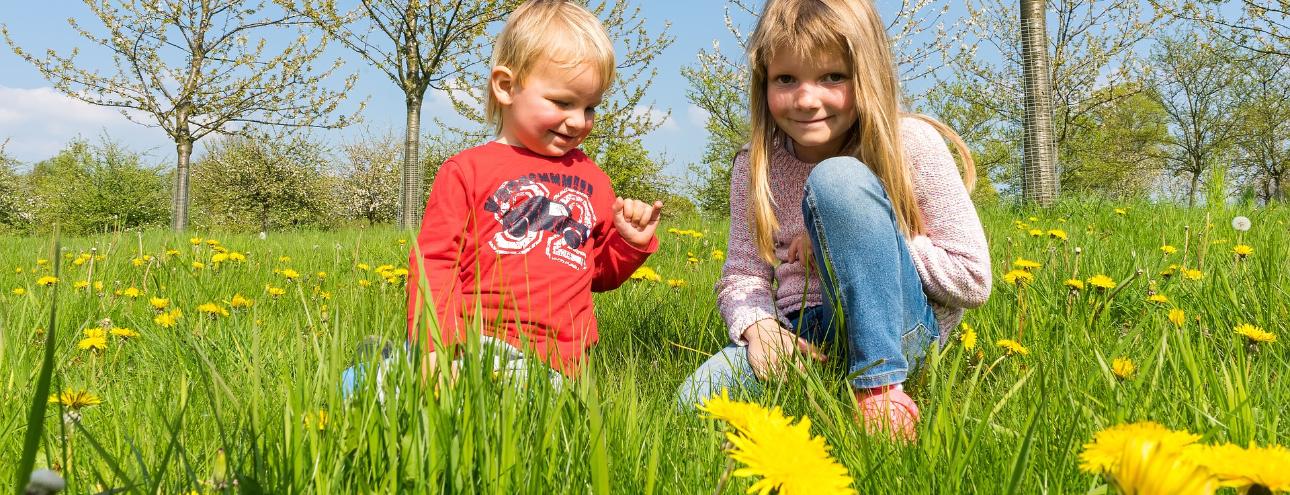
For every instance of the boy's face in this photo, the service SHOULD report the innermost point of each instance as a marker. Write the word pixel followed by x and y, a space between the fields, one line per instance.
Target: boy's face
pixel 552 112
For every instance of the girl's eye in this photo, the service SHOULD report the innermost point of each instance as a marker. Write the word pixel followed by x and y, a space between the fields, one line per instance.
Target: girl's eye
pixel 561 103
pixel 835 77
pixel 783 79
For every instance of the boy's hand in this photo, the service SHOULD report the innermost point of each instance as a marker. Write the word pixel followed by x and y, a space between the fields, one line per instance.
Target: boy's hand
pixel 636 220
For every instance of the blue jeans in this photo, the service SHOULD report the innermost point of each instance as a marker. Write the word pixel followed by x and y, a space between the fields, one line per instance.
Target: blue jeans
pixel 874 296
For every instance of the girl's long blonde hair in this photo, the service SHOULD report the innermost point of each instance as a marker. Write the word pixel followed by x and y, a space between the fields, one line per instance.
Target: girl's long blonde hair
pixel 852 29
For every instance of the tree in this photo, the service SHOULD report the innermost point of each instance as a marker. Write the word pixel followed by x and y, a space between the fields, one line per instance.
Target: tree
pixel 621 118
pixel 1039 164
pixel 1193 82
pixel 1090 48
pixel 370 174
pixel 1263 142
pixel 90 188
pixel 1117 150
pixel 418 44
pixel 1262 26
pixel 11 201
pixel 193 68
pixel 261 182
pixel 993 145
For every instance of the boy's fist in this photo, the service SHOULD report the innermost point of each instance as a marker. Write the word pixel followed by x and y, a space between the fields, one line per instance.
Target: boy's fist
pixel 635 220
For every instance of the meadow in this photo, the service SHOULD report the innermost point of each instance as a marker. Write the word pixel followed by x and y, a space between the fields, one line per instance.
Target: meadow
pixel 210 363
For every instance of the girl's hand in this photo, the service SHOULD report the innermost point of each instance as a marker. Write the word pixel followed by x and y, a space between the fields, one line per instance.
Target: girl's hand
pixel 800 249
pixel 769 344
pixel 636 220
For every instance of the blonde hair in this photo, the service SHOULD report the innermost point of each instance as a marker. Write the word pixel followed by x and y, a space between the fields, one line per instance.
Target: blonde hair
pixel 853 30
pixel 545 32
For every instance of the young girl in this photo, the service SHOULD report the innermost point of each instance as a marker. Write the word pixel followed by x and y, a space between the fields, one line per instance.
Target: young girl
pixel 837 173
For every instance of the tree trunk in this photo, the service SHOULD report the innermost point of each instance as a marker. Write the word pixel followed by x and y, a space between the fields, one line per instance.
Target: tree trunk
pixel 411 200
pixel 1039 161
pixel 179 200
pixel 1191 189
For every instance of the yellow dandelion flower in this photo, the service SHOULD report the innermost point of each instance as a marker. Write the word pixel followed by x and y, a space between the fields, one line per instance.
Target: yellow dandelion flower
pixel 321 275
pixel 46 281
pixel 1018 277
pixel 75 399
pixel 1121 211
pixel 403 242
pixel 675 283
pixel 138 262
pixel 1026 264
pixel 364 266
pixel 1123 368
pixel 1242 250
pixel 172 252
pixel 1244 468
pixel 130 292
pixel 718 255
pixel 1177 316
pixel 18 291
pixel 1035 233
pixel 646 273
pixel 1167 249
pixel 737 413
pixel 1169 271
pixel 1012 346
pixel 786 459
pixel 239 302
pixel 95 340
pixel 212 309
pixel 1192 274
pixel 362 282
pixel 1107 449
pixel 236 256
pixel 124 333
pixel 316 420
pixel 1149 467
pixel 968 337
pixel 290 275
pixel 284 259
pixel 98 285
pixel 168 319
pixel 1255 334
pixel 1057 234
pixel 158 303
pixel 218 258
pixel 1102 282
pixel 274 291
pixel 197 265
pixel 194 240
pixel 1158 298
pixel 80 284
pixel 212 242
pixel 1074 283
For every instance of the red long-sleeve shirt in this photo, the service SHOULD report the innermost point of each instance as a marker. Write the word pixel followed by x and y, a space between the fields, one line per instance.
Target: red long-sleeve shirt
pixel 519 241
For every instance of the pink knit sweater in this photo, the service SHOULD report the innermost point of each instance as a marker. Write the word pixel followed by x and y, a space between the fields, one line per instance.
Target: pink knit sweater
pixel 951 256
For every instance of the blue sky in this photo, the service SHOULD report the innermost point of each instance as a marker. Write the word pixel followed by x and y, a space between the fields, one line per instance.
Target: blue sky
pixel 38 121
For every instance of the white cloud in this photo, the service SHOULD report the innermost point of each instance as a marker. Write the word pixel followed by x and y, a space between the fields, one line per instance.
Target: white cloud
pixel 38 122
pixel 698 116
pixel 664 119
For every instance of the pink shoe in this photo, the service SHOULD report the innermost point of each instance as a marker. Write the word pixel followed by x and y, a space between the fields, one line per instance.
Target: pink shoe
pixel 888 409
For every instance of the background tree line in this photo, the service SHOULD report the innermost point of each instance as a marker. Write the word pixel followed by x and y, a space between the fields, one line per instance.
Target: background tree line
pixel 1169 100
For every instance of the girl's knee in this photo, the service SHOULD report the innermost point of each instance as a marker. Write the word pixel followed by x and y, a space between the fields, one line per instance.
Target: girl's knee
pixel 842 175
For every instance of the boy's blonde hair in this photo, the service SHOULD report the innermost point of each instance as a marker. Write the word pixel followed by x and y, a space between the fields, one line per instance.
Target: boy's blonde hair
pixel 852 30
pixel 542 32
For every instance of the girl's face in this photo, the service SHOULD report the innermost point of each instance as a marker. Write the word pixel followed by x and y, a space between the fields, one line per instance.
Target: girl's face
pixel 812 101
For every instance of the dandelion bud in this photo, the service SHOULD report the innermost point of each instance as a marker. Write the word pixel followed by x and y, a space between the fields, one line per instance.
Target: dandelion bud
pixel 1078 251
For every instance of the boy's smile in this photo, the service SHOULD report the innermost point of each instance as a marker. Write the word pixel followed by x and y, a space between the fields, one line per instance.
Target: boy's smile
pixel 552 112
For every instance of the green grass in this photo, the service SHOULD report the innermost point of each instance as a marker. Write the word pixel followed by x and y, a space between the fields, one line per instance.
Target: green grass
pixel 237 397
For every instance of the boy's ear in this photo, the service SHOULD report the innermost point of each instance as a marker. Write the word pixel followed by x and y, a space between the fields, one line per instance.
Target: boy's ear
pixel 502 83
